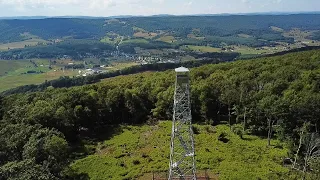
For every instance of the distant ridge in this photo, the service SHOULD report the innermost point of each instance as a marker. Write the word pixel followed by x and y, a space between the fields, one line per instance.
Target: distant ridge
pixel 160 15
pixel 47 17
pixel 25 17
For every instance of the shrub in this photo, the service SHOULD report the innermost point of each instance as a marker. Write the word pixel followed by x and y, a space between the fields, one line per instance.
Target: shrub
pixel 238 130
pixel 135 162
pixel 223 137
pixel 195 130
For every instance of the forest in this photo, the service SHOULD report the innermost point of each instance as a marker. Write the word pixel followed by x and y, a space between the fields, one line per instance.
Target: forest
pixel 52 28
pixel 59 36
pixel 272 97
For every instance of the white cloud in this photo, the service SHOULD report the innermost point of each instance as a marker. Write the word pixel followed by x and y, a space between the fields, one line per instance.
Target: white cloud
pixel 39 2
pixel 61 7
pixel 101 4
pixel 148 7
pixel 158 1
pixel 188 3
pixel 245 1
pixel 59 3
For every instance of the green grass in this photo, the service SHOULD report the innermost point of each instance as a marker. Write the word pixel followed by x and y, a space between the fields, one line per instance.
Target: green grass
pixel 244 35
pixel 250 50
pixel 139 40
pixel 8 66
pixel 146 35
pixel 16 79
pixel 137 29
pixel 13 73
pixel 139 150
pixel 118 39
pixel 108 40
pixel 119 65
pixel 202 48
pixel 167 39
pixel 277 29
pixel 112 38
pixel 30 40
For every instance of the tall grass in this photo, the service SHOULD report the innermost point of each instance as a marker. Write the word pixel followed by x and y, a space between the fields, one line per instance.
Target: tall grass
pixel 140 150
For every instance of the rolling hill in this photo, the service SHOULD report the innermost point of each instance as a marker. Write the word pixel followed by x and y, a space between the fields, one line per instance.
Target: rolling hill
pixel 82 28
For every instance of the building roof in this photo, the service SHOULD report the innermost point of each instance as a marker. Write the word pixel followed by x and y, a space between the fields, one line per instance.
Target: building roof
pixel 182 69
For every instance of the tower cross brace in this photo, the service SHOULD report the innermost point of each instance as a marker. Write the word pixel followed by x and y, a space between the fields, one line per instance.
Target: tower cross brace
pixel 182 154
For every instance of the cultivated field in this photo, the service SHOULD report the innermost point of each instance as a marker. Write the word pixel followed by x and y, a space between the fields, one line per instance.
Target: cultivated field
pixel 30 40
pixel 14 73
pixel 167 39
pixel 201 48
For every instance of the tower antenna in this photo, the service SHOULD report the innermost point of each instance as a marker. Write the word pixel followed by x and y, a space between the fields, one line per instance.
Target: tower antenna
pixel 182 154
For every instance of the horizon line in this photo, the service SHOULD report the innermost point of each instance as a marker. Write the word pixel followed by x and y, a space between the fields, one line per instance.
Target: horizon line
pixel 205 14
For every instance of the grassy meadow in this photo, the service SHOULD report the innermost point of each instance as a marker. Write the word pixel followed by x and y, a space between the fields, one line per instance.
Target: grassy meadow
pixel 8 66
pixel 13 73
pixel 21 44
pixel 201 48
pixel 167 39
pixel 146 35
pixel 137 151
pixel 12 81
pixel 29 40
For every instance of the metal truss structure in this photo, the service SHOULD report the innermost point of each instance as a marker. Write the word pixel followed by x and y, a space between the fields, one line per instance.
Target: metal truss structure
pixel 182 154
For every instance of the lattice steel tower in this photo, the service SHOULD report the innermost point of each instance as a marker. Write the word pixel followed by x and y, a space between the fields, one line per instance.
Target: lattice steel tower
pixel 182 156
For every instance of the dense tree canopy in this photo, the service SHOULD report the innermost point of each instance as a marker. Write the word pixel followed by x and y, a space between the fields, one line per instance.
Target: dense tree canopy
pixel 272 97
pixel 225 27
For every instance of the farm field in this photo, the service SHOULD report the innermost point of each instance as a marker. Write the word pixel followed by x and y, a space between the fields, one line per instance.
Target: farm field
pixel 144 35
pixel 201 48
pixel 16 79
pixel 21 44
pixel 8 66
pixel 30 40
pixel 135 41
pixel 13 73
pixel 121 65
pixel 167 39
pixel 249 50
pixel 8 82
pixel 298 34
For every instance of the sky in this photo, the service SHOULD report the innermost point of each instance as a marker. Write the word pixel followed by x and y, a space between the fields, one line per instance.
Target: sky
pixel 149 7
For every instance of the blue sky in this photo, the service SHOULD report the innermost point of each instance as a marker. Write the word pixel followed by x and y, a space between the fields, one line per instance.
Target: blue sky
pixel 149 7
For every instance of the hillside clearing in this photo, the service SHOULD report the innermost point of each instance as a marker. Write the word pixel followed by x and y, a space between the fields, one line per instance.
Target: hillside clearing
pixel 140 150
pixel 202 48
pixel 167 39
